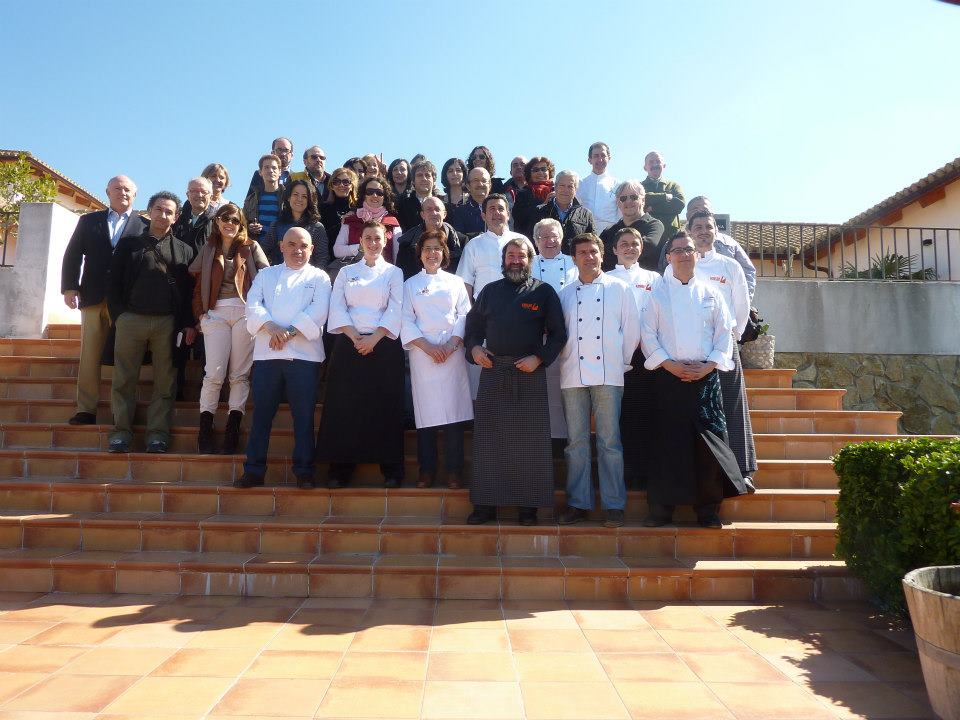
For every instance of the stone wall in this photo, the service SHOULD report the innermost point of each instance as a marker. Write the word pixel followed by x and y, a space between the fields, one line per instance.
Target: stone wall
pixel 925 388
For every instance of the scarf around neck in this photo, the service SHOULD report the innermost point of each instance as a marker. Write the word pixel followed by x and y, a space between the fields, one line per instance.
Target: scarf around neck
pixel 367 213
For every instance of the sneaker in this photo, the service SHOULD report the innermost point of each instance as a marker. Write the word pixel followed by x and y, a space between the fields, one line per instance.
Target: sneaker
pixel 119 445
pixel 83 418
pixel 571 515
pixel 482 514
pixel 157 446
pixel 613 519
pixel 248 480
pixel 748 481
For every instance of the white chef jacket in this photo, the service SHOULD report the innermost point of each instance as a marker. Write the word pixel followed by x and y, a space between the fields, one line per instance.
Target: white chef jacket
pixel 726 245
pixel 367 298
pixel 435 308
pixel 558 271
pixel 596 192
pixel 603 331
pixel 640 280
pixel 687 322
pixel 288 297
pixel 482 259
pixel 726 275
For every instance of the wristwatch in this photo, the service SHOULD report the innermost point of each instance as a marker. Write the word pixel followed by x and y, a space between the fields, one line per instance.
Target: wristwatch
pixel 293 331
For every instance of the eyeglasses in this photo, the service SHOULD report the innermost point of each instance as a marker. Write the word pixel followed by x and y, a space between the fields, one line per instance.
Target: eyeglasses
pixel 231 220
pixel 314 156
pixel 374 192
pixel 683 250
pixel 281 151
pixel 340 181
pixel 625 198
pixel 479 156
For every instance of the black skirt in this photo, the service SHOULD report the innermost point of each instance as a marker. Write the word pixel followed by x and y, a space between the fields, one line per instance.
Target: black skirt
pixel 636 419
pixel 512 455
pixel 688 413
pixel 362 419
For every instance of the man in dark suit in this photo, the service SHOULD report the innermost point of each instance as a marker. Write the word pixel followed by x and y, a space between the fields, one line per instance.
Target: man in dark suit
pixel 195 221
pixel 91 247
pixel 564 207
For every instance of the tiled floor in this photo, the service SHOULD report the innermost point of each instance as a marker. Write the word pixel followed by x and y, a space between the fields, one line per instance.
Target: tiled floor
pixel 67 657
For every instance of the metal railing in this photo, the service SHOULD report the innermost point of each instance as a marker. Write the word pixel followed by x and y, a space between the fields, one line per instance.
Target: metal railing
pixel 8 231
pixel 851 252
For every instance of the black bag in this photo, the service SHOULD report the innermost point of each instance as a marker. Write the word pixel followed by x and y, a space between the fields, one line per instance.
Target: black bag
pixel 754 328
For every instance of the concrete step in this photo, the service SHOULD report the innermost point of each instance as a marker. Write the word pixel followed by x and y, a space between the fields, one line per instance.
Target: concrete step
pixel 192 469
pixel 74 495
pixel 425 576
pixel 187 414
pixel 42 436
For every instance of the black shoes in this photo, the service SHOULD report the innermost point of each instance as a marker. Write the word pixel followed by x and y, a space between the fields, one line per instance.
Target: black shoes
pixel 119 445
pixel 391 483
pixel 613 519
pixel 248 480
pixel 571 515
pixel 710 521
pixel 305 482
pixel 231 433
pixel 205 436
pixel 482 514
pixel 157 447
pixel 337 483
pixel 83 418
pixel 527 516
pixel 656 520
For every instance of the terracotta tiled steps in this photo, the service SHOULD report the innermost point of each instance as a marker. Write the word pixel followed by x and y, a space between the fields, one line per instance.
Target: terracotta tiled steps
pixel 784 446
pixel 188 414
pixel 424 576
pixel 65 497
pixel 62 331
pixel 192 469
pixel 40 346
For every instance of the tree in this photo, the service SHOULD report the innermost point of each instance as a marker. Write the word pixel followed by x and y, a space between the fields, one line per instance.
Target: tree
pixel 18 185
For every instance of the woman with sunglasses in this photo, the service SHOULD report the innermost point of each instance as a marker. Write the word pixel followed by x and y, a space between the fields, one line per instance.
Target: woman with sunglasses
pixel 481 156
pixel 539 174
pixel 224 270
pixel 453 178
pixel 298 208
pixel 362 418
pixel 374 202
pixel 630 202
pixel 341 197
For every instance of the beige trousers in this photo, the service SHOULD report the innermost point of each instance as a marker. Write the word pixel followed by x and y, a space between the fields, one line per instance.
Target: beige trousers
pixel 94 331
pixel 229 349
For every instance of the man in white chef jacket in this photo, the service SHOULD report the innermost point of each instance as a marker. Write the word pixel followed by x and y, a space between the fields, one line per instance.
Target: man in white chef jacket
pixel 603 331
pixel 596 190
pixel 286 308
pixel 482 259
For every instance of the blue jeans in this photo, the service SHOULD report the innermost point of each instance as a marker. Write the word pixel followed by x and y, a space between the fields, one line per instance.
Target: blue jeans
pixel 604 401
pixel 269 380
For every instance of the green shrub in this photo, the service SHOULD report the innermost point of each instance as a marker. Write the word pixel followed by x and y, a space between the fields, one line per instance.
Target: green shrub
pixel 894 511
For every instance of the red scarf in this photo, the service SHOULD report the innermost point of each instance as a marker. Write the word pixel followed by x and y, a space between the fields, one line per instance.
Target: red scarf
pixel 541 190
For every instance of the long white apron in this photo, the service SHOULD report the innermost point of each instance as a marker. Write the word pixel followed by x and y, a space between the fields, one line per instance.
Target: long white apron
pixel 441 391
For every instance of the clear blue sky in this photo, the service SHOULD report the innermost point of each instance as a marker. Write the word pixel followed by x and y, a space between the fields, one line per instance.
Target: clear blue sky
pixel 810 110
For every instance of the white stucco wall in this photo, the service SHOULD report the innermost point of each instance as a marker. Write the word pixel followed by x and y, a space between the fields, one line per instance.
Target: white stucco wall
pixel 30 290
pixel 862 316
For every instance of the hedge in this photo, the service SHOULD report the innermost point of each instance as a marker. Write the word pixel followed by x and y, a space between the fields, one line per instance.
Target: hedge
pixel 894 513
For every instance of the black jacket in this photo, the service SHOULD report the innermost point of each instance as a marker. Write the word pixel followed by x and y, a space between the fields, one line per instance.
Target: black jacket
pixel 142 283
pixel 194 235
pixel 579 220
pixel 407 259
pixel 408 211
pixel 649 227
pixel 90 247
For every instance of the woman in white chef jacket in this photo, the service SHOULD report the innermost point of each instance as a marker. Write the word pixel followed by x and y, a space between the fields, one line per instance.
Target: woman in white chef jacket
pixel 557 270
pixel 362 420
pixel 435 307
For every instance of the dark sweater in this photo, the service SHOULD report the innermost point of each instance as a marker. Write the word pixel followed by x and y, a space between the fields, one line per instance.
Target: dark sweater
pixel 649 227
pixel 150 277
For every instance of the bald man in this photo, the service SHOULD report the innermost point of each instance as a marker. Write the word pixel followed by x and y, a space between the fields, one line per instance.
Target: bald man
pixel 91 247
pixel 665 199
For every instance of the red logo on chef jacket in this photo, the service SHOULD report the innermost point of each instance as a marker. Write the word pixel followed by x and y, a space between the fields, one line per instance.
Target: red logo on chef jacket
pixel 530 306
pixel 641 286
pixel 719 278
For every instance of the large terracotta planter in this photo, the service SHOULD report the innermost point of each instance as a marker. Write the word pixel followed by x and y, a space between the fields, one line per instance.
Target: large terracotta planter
pixel 933 596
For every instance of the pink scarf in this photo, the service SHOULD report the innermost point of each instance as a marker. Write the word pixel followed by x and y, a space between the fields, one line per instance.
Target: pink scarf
pixel 367 213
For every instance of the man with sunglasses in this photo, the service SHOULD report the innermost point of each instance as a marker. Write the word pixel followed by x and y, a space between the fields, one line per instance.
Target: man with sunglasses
pixel 314 160
pixel 686 335
pixel 631 197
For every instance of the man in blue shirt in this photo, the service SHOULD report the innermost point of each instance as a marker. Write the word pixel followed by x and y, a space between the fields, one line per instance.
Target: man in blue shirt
pixel 262 206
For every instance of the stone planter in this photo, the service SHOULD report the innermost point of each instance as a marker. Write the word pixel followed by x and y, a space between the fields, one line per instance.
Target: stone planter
pixel 932 596
pixel 758 354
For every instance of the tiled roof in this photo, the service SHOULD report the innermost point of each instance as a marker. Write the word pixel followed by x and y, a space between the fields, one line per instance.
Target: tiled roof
pixel 946 174
pixel 769 239
pixel 54 172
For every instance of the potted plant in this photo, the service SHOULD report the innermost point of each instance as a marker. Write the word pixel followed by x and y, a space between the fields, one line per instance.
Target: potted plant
pixel 757 353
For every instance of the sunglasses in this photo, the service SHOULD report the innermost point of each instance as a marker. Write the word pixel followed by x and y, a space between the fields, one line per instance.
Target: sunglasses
pixel 624 198
pixel 374 192
pixel 340 181
pixel 479 156
pixel 231 220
